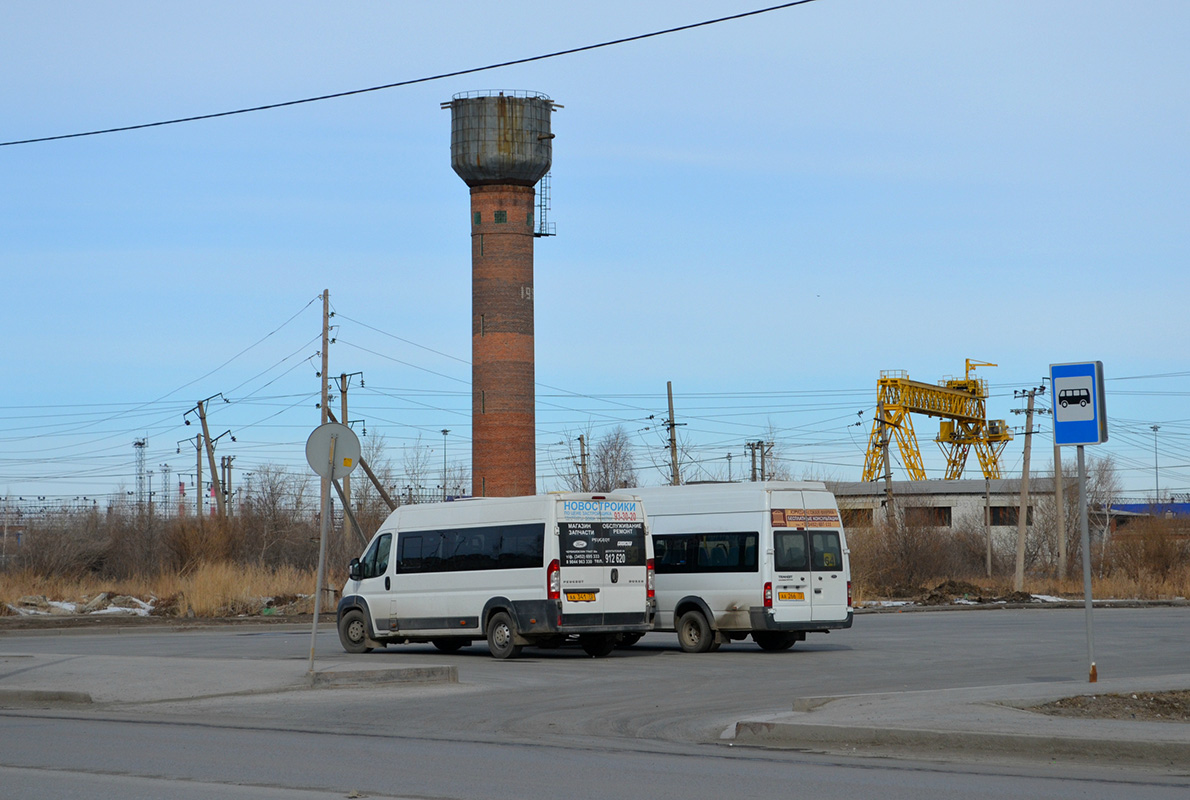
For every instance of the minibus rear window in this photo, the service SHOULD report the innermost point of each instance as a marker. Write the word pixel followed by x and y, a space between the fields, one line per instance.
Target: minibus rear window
pixel 790 553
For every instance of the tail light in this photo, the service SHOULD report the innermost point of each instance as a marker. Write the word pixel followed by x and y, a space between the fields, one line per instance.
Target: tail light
pixel 553 581
pixel 768 594
pixel 650 579
pixel 849 594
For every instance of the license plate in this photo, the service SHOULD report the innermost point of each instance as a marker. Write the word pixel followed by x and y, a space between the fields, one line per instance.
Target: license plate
pixel 581 597
pixel 791 595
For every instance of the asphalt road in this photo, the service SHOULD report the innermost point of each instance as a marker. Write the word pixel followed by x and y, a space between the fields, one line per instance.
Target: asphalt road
pixel 644 722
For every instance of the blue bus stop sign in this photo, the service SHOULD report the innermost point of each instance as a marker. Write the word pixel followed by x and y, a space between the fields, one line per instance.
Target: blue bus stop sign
pixel 1080 408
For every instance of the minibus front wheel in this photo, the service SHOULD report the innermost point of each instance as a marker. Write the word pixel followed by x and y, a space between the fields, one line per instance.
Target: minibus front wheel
pixel 353 632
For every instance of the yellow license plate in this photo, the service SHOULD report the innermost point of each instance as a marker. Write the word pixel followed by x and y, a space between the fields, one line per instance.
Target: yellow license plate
pixel 791 595
pixel 581 597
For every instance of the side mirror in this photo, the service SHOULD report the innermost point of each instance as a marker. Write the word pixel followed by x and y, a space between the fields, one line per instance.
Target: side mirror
pixel 354 571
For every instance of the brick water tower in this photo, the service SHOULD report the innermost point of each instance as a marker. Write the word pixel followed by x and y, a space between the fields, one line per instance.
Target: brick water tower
pixel 501 146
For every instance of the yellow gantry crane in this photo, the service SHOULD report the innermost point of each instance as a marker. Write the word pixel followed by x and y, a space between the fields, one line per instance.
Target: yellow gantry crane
pixel 962 407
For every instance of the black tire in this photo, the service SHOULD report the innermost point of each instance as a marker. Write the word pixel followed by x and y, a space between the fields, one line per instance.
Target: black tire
pixel 626 640
pixel 774 641
pixel 353 632
pixel 502 636
pixel 694 633
pixel 598 645
pixel 449 645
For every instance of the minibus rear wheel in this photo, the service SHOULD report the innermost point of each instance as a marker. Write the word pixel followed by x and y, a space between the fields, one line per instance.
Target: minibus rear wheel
pixel 502 637
pixel 694 632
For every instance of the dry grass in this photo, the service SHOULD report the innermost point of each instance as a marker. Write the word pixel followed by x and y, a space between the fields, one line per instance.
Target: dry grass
pixel 208 590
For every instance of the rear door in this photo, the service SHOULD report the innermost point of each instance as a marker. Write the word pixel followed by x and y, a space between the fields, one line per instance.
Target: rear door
pixel 602 555
pixel 828 576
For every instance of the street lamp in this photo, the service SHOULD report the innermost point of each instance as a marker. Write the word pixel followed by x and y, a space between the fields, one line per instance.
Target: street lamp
pixel 444 432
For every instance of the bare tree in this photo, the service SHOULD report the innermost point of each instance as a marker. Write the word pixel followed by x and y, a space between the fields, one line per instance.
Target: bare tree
pixel 415 461
pixel 613 464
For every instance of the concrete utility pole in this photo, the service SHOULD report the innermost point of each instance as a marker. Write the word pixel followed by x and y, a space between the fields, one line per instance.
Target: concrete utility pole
pixel 889 510
pixel 1022 520
pixel 324 493
pixel 987 521
pixel 343 405
pixel 198 477
pixel 206 435
pixel 584 477
pixel 752 448
pixel 225 464
pixel 673 435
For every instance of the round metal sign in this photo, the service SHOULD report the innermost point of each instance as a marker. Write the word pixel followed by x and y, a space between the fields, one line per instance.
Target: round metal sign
pixel 318 450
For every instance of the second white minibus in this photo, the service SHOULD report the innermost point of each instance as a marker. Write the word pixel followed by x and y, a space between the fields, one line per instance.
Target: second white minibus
pixel 764 559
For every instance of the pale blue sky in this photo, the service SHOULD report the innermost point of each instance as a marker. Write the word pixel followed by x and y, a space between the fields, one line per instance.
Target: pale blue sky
pixel 767 212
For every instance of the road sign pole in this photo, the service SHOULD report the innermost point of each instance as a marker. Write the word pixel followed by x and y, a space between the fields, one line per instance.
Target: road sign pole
pixel 1086 540
pixel 322 537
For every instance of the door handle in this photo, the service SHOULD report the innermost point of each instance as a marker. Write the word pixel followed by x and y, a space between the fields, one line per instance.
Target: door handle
pixel 387 583
pixel 817 591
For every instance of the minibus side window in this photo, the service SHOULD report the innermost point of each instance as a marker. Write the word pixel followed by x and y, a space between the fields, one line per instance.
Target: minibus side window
pixel 827 553
pixel 672 553
pixel 409 558
pixel 375 561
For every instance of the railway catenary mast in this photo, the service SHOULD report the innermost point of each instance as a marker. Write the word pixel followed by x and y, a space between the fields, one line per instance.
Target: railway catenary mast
pixel 501 146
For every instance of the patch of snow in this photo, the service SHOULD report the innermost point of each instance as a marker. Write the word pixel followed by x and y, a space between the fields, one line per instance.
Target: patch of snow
pixel 1048 598
pixel 119 611
pixel 69 608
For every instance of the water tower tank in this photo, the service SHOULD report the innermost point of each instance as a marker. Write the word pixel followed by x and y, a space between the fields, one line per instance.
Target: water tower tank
pixel 498 138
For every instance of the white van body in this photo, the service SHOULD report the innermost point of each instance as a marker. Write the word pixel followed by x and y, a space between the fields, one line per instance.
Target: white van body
pixel 515 571
pixel 767 559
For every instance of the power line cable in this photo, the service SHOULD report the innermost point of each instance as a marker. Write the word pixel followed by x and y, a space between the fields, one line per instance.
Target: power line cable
pixel 412 81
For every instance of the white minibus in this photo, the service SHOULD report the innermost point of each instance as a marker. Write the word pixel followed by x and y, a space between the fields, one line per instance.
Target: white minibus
pixel 515 571
pixel 767 559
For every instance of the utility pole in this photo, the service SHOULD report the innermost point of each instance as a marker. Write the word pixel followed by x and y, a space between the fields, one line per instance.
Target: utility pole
pixel 1156 468
pixel 444 432
pixel 225 464
pixel 673 436
pixel 1023 514
pixel 197 442
pixel 752 448
pixel 210 444
pixel 324 484
pixel 584 478
pixel 987 521
pixel 344 382
pixel 729 468
pixel 889 510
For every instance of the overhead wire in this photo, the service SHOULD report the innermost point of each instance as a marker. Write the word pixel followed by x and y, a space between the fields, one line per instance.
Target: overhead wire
pixel 411 81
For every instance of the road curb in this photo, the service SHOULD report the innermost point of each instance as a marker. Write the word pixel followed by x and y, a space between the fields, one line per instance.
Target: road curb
pixel 39 697
pixel 964 743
